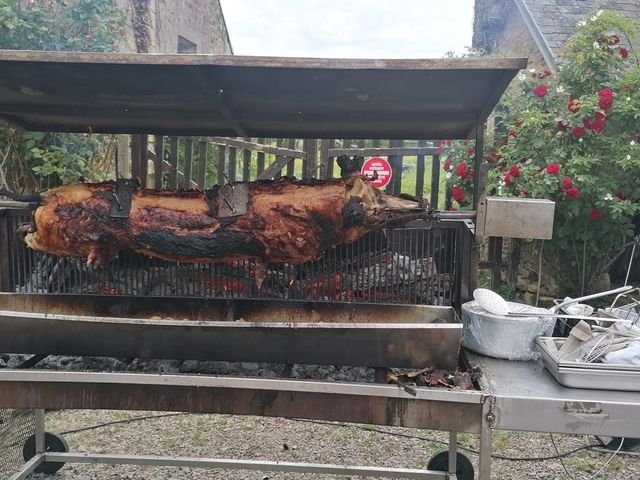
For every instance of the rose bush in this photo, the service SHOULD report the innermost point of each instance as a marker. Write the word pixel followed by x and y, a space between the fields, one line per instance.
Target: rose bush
pixel 572 137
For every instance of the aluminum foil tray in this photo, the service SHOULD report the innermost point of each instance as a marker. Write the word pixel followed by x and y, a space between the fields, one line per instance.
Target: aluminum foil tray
pixel 596 376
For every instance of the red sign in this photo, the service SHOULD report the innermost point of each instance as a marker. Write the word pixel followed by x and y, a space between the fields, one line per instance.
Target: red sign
pixel 380 167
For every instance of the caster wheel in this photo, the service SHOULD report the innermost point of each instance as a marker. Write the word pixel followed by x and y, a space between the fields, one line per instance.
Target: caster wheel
pixel 53 442
pixel 613 443
pixel 440 463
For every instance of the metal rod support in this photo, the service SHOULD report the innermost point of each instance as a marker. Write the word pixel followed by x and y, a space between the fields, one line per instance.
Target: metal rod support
pixel 28 467
pixel 239 464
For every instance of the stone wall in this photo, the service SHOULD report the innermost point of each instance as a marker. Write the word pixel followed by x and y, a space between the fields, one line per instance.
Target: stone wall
pixel 155 26
pixel 499 29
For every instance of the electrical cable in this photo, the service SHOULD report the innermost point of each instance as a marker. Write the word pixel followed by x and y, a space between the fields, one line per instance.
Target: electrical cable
pixel 608 461
pixel 564 467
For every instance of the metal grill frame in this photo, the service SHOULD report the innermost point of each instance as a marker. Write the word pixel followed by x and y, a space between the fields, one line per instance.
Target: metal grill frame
pixel 355 268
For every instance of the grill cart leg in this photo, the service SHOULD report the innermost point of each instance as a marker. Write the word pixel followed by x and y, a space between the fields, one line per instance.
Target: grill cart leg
pixel 457 465
pixel 485 442
pixel 453 455
pixel 36 447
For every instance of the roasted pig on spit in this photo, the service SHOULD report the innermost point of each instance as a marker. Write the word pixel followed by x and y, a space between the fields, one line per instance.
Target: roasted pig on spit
pixel 281 221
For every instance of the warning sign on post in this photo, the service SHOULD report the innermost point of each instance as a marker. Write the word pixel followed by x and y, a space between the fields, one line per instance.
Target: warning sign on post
pixel 381 167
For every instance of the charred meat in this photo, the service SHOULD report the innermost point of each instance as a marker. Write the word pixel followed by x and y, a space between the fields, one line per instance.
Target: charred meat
pixel 283 221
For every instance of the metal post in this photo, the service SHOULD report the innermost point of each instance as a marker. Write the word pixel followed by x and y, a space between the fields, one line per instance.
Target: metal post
pixel 479 186
pixel 484 463
pixel 40 444
pixel 5 274
pixel 453 455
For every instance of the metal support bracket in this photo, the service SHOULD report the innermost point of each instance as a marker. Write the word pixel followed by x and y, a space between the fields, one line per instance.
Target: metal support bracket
pixel 123 194
pixel 233 200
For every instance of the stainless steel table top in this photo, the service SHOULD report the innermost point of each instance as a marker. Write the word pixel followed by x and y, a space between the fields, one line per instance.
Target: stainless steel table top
pixel 528 398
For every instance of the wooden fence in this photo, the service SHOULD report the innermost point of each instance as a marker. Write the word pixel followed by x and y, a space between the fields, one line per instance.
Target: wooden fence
pixel 196 162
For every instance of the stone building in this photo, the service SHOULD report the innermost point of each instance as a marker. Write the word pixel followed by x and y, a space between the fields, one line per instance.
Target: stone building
pixel 537 29
pixel 175 26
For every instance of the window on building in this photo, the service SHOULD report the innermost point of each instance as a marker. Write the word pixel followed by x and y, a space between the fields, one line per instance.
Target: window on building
pixel 186 46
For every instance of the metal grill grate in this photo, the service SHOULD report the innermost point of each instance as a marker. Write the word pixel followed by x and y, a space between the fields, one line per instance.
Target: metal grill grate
pixel 15 427
pixel 412 265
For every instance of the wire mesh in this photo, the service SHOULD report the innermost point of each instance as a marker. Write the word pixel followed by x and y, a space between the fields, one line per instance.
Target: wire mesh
pixel 410 265
pixel 15 427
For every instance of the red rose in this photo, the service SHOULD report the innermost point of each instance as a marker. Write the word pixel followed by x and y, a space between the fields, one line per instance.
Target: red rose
pixel 597 126
pixel 519 122
pixel 453 209
pixel 514 171
pixel 600 115
pixel 447 165
pixel 567 183
pixel 461 170
pixel 605 103
pixel 621 196
pixel 491 156
pixel 561 125
pixel 577 132
pixel 507 180
pixel 624 53
pixel 523 193
pixel 440 149
pixel 457 194
pixel 605 92
pixel 541 90
pixel 513 133
pixel 502 142
pixel 586 123
pixel 471 152
pixel 574 105
pixel 594 214
pixel 572 192
pixel 553 169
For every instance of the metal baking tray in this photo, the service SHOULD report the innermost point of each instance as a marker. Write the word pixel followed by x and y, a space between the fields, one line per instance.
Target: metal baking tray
pixel 596 376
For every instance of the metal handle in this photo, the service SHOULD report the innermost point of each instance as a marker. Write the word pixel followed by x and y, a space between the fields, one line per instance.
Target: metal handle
pixel 591 297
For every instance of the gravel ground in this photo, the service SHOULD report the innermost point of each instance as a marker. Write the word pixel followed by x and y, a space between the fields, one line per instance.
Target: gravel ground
pixel 226 436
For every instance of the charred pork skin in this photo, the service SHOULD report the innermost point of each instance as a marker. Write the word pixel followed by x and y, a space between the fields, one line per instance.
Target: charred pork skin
pixel 283 221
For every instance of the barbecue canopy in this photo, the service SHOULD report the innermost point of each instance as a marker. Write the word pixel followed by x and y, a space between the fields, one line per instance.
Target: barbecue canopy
pixel 226 95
